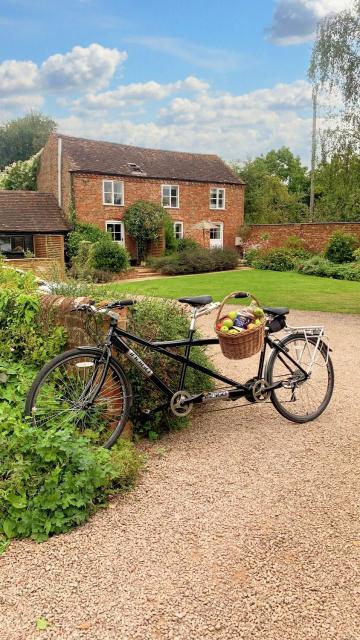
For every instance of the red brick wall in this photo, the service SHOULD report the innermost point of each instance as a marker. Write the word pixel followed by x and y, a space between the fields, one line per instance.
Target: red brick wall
pixel 47 180
pixel 47 171
pixel 194 203
pixel 314 235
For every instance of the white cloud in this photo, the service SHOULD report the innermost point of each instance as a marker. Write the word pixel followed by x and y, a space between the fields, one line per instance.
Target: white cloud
pixel 17 76
pixel 294 21
pixel 136 94
pixel 234 127
pixel 81 68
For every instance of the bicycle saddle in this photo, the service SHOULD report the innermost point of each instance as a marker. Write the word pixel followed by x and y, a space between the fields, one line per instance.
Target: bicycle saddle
pixel 277 311
pixel 198 301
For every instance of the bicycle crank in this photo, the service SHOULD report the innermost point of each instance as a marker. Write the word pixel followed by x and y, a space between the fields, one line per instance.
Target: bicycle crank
pixel 179 404
pixel 259 391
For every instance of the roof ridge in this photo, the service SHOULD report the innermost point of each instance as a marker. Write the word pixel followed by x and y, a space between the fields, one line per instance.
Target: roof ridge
pixel 134 146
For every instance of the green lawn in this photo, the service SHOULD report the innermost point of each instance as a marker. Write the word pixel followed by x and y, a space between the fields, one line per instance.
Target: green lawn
pixel 270 287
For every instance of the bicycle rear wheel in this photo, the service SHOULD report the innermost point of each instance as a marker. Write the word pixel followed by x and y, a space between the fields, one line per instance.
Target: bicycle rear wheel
pixel 301 400
pixel 74 390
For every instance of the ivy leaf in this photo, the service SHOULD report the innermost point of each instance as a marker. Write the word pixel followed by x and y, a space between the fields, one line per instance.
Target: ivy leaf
pixel 42 624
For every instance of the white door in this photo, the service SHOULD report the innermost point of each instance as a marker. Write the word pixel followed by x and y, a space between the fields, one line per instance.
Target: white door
pixel 217 235
pixel 116 230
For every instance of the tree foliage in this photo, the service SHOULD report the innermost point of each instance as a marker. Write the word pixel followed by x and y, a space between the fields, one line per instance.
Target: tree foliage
pixel 144 221
pixel 335 67
pixel 23 137
pixel 20 175
pixel 337 188
pixel 276 188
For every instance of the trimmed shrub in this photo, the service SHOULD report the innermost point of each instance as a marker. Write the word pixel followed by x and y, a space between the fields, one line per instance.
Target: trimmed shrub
pixel 187 244
pixel 84 232
pixel 161 320
pixel 197 261
pixel 341 246
pixel 107 255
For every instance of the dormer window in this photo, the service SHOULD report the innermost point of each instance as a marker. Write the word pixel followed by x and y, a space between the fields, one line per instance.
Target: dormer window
pixel 135 168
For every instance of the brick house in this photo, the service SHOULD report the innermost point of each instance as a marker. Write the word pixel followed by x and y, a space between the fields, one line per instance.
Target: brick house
pixel 101 179
pixel 31 221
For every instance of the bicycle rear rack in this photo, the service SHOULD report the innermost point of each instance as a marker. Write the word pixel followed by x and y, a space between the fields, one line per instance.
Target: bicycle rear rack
pixel 317 332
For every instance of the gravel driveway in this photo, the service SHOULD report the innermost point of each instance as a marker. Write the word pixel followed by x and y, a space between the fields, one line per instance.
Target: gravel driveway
pixel 243 526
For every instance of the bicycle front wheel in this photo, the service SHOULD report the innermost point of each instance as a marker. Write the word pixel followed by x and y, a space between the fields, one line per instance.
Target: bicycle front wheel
pixel 74 389
pixel 301 400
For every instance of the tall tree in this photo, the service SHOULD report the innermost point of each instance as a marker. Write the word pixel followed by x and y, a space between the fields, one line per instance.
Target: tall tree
pixel 337 185
pixel 268 198
pixel 22 138
pixel 335 68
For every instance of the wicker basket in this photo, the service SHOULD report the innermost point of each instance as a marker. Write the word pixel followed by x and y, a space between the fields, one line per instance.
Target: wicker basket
pixel 245 344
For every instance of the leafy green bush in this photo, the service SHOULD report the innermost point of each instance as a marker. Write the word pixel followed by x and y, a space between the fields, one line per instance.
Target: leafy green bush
pixel 161 320
pixel 341 246
pixel 50 480
pixel 356 255
pixel 22 332
pixel 107 255
pixel 317 266
pixel 197 261
pixel 322 267
pixel 144 221
pixel 275 260
pixel 171 243
pixel 187 244
pixel 84 232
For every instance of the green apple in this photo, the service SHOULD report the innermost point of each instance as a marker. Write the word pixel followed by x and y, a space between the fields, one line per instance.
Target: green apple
pixel 232 315
pixel 258 313
pixel 233 332
pixel 224 329
pixel 228 323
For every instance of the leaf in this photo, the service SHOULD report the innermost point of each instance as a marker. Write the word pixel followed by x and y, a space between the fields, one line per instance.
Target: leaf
pixel 17 501
pixel 3 378
pixel 42 624
pixel 8 528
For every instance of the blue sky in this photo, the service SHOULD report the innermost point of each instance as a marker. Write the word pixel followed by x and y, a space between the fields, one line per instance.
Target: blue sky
pixel 226 78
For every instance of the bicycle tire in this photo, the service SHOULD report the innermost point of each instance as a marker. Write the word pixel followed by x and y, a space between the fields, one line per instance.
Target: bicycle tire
pixel 91 353
pixel 274 396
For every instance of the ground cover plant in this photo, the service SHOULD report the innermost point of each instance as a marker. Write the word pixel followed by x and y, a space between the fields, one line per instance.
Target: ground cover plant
pixel 270 287
pixel 53 479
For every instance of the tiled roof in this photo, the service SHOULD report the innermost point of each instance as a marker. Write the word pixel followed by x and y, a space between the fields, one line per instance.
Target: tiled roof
pixel 93 156
pixel 30 211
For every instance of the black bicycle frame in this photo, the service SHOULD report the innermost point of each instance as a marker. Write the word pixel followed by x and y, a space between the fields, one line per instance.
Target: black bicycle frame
pixel 239 390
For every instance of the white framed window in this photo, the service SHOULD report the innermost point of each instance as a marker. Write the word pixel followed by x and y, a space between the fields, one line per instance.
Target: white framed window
pixel 217 198
pixel 178 230
pixel 116 230
pixel 170 196
pixel 113 193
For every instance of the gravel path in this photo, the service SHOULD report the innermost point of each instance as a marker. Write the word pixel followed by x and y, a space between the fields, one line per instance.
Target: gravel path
pixel 243 526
